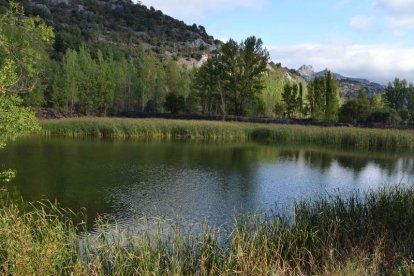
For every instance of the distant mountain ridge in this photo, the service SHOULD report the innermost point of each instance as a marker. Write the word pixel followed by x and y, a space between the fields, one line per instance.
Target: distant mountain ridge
pixel 349 87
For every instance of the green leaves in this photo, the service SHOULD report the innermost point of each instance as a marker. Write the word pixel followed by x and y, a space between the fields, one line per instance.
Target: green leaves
pixel 292 98
pixel 236 75
pixel 15 119
pixel 7 176
pixel 23 44
pixel 324 98
pixel 23 50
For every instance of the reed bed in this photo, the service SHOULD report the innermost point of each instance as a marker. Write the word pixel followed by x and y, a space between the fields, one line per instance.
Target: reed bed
pixel 370 234
pixel 149 129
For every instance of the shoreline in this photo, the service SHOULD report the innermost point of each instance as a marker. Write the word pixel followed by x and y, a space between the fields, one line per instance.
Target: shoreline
pixel 169 129
pixel 365 234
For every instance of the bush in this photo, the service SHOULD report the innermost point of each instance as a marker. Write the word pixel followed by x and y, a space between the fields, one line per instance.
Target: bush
pixel 385 115
pixel 357 110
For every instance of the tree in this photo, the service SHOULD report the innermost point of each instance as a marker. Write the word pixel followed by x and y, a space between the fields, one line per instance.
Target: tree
pixel 124 72
pixel 300 98
pixel 279 110
pixel 331 97
pixel 105 84
pixel 290 97
pixel 364 105
pixel 23 44
pixel 207 85
pixel 65 87
pixel 323 97
pixel 147 69
pixel 377 101
pixel 243 68
pixel 395 94
pixel 237 74
pixel 316 98
pixel 356 110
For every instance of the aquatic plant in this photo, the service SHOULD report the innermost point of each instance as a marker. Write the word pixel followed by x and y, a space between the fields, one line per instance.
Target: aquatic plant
pixel 212 130
pixel 356 235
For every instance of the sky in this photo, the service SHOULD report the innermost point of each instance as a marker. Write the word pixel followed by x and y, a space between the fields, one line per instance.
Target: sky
pixel 371 39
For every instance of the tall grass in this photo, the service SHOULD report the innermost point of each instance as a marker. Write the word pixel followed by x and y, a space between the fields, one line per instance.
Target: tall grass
pixel 370 234
pixel 210 130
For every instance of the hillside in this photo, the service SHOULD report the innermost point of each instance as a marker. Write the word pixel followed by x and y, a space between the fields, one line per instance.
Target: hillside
pixel 121 25
pixel 276 78
pixel 349 87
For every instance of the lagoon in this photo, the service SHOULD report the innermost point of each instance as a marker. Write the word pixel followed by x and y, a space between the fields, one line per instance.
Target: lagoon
pixel 194 180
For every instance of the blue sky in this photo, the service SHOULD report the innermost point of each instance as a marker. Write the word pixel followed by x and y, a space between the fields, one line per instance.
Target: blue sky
pixel 371 39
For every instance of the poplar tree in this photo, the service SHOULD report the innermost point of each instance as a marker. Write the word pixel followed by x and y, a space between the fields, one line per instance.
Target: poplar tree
pixel 207 86
pixel 316 98
pixel 323 98
pixel 331 97
pixel 300 98
pixel 290 97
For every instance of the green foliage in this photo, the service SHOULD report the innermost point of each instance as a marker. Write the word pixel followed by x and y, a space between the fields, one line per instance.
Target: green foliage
pixel 147 67
pixel 399 96
pixel 317 98
pixel 207 84
pixel 377 101
pixel 23 45
pixel 323 98
pixel 291 98
pixel 15 120
pixel 7 176
pixel 91 83
pixel 274 83
pixel 385 115
pixel 65 87
pixel 243 66
pixel 23 42
pixel 395 94
pixel 357 110
pixel 279 110
pixel 236 74
pixel 331 98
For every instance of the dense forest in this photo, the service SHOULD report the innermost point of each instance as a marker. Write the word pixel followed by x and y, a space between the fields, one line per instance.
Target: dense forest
pixel 89 68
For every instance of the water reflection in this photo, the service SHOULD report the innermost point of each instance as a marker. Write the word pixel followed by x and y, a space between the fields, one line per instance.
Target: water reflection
pixel 196 180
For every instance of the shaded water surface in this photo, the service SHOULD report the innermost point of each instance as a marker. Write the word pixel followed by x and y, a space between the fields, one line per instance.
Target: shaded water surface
pixel 194 180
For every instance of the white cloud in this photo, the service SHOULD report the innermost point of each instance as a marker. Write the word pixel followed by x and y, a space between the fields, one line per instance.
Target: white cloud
pixel 191 9
pixel 398 6
pixel 401 22
pixel 380 63
pixel 361 23
pixel 401 13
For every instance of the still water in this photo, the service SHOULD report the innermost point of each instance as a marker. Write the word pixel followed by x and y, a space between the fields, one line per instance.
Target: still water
pixel 197 181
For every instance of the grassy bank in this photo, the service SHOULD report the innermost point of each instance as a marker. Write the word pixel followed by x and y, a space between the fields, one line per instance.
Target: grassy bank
pixel 211 130
pixel 368 235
